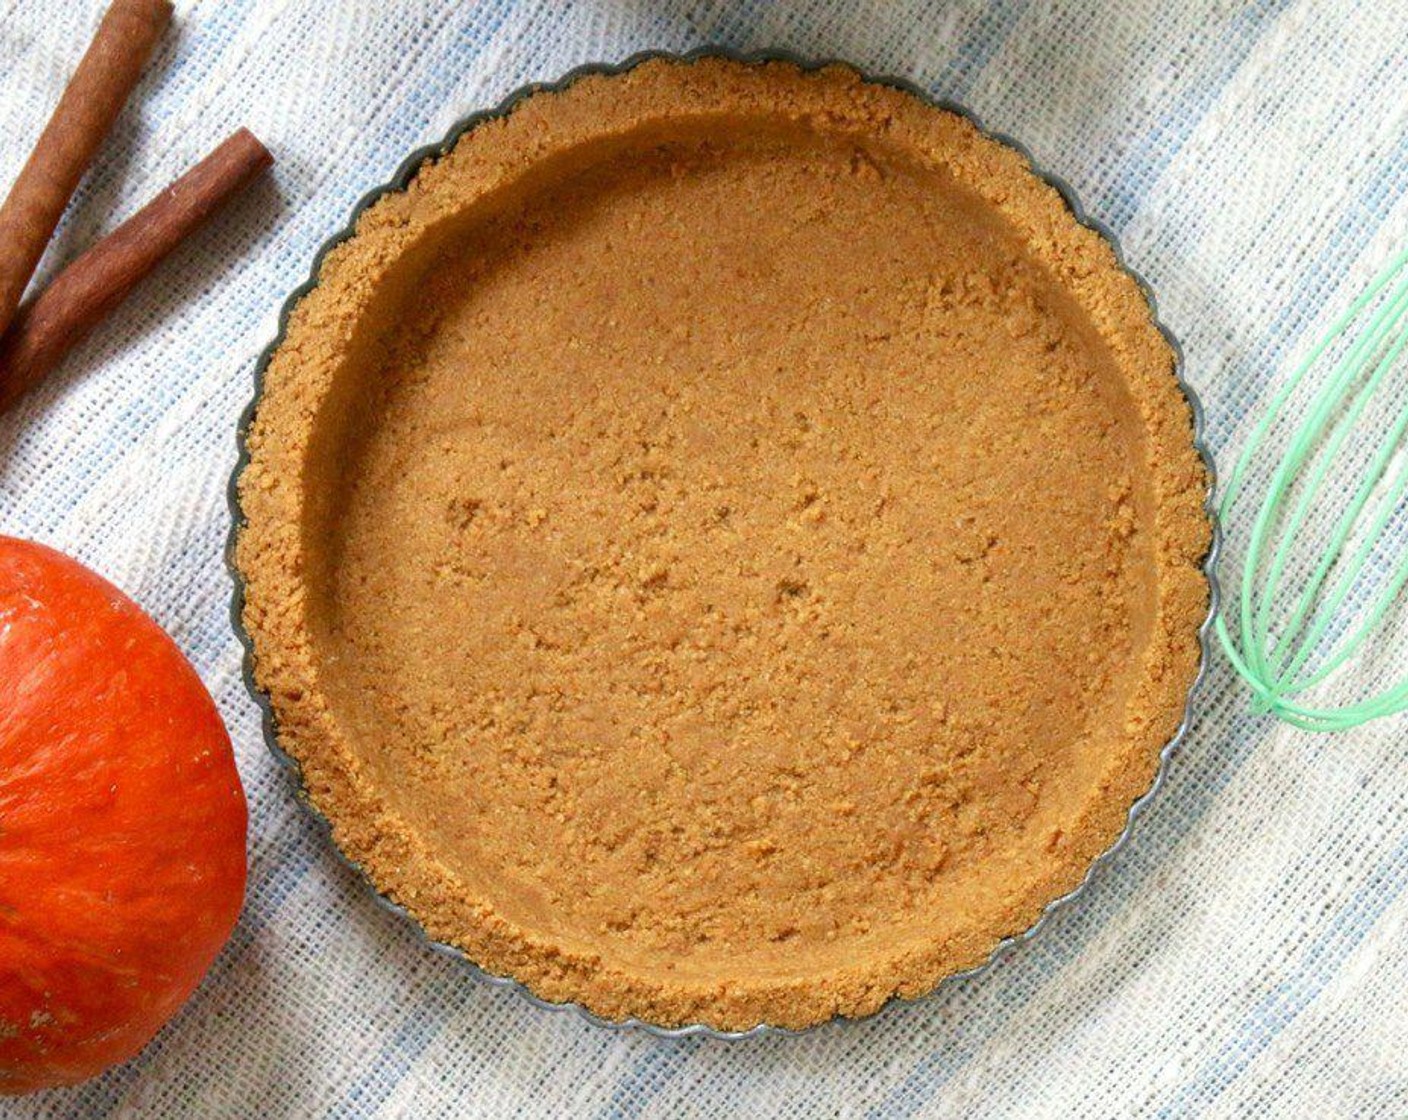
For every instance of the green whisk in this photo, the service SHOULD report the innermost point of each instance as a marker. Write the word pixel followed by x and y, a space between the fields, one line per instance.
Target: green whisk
pixel 1325 558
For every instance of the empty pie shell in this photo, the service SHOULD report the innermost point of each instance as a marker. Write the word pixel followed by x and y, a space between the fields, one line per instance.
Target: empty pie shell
pixel 723 543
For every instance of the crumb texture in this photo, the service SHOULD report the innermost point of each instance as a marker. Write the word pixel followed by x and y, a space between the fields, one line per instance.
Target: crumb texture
pixel 723 544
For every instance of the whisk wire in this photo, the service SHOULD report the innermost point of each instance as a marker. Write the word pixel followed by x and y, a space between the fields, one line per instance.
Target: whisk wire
pixel 1271 504
pixel 1344 526
pixel 1344 584
pixel 1395 586
pixel 1272 667
pixel 1278 484
pixel 1263 426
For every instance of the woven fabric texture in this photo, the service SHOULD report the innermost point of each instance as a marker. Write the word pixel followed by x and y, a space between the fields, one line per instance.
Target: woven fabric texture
pixel 1244 955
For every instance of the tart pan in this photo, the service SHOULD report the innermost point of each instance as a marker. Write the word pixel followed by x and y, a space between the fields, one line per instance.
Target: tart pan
pixel 399 182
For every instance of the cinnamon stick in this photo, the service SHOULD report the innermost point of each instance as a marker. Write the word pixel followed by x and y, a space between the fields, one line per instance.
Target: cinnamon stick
pixel 89 105
pixel 84 292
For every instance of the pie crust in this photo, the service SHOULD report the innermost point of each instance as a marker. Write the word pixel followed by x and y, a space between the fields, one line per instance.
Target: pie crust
pixel 723 544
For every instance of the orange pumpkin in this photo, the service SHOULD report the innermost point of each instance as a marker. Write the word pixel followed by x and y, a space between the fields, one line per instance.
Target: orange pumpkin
pixel 122 823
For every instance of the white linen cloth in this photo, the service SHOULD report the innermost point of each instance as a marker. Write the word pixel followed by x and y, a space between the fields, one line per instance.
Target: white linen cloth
pixel 1245 955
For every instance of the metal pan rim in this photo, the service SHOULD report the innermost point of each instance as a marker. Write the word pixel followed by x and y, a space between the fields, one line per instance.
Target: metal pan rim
pixel 399 182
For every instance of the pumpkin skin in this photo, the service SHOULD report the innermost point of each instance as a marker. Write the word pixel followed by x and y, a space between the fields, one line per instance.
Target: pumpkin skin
pixel 122 823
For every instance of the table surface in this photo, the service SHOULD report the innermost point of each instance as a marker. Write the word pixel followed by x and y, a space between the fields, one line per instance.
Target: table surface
pixel 1244 955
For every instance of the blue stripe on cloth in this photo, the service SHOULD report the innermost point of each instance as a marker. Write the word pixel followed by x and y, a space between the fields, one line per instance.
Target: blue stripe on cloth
pixel 1151 154
pixel 634 1092
pixel 1244 391
pixel 1278 1008
pixel 980 45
